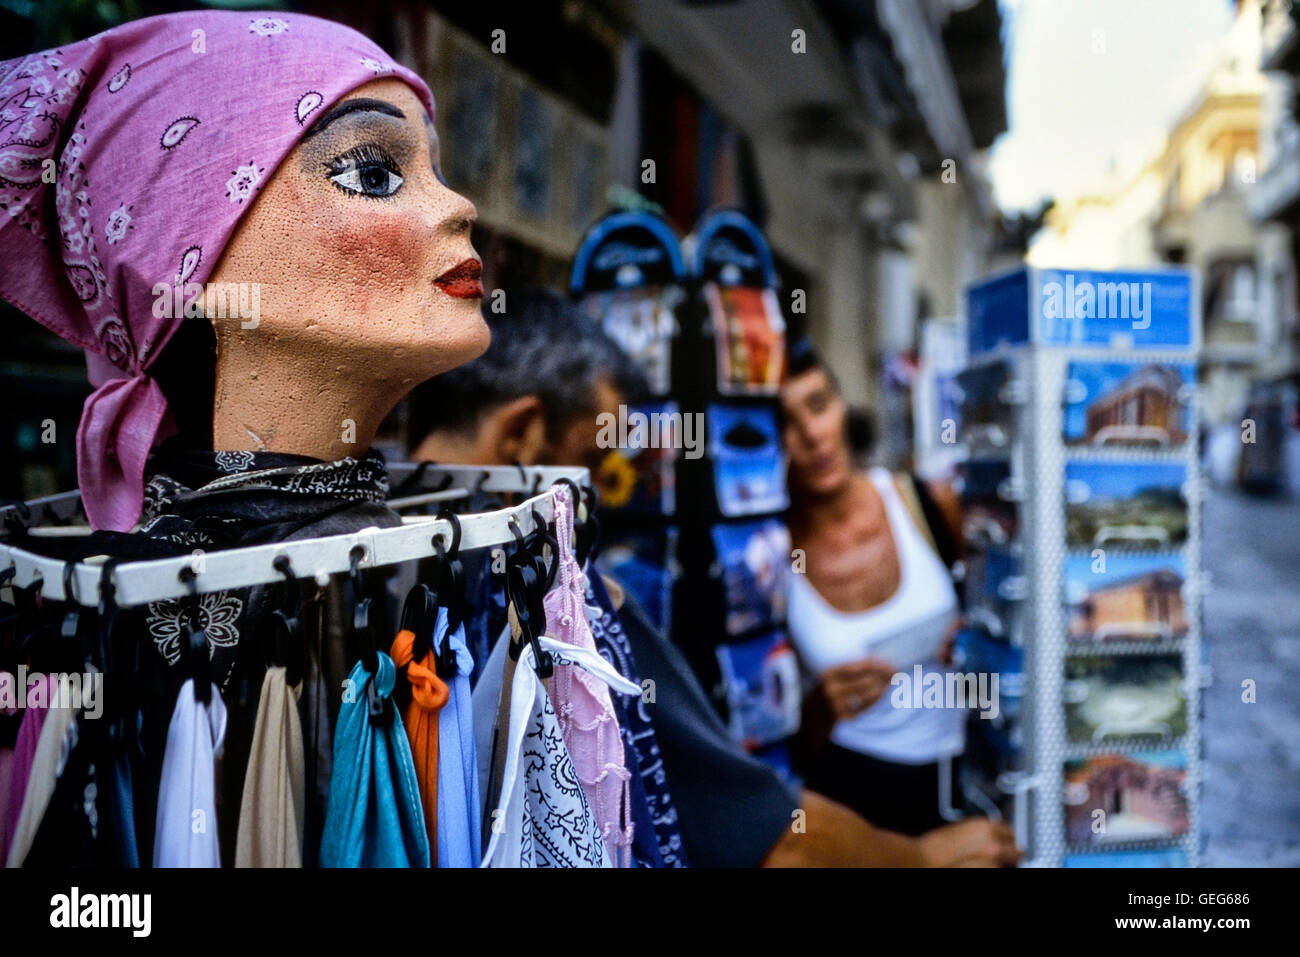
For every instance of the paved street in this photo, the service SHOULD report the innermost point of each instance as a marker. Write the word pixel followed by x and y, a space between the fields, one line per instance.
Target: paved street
pixel 1252 622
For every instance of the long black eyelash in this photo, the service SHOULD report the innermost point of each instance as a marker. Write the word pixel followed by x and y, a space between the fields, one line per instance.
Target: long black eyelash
pixel 365 154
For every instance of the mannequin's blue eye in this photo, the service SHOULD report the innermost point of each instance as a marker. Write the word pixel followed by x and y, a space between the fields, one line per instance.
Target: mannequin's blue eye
pixel 366 171
pixel 374 181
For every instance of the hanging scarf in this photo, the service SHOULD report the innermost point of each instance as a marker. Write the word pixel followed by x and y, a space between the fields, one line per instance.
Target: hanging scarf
pixel 126 161
pixel 584 709
pixel 420 718
pixel 374 817
pixel 185 833
pixel 57 737
pixel 541 816
pixel 460 812
pixel 29 734
pixel 271 813
pixel 657 840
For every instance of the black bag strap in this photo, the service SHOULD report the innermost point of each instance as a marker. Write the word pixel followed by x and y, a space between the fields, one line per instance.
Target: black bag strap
pixel 945 542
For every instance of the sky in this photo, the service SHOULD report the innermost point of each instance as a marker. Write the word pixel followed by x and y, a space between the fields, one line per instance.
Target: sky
pixel 1106 480
pixel 1093 85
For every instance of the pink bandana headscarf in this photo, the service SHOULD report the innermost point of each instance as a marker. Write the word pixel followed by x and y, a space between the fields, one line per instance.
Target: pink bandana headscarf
pixel 157 136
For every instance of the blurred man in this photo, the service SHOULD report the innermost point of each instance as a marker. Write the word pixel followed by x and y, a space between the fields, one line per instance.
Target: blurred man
pixel 533 398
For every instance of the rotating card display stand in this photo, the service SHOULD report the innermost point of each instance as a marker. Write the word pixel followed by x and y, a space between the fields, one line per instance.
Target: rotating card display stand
pixel 734 546
pixel 629 277
pixel 694 525
pixel 1081 493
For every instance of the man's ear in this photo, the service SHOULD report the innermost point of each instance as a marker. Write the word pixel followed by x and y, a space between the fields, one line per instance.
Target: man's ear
pixel 515 431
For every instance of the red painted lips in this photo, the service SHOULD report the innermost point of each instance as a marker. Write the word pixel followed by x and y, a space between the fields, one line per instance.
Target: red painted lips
pixel 463 280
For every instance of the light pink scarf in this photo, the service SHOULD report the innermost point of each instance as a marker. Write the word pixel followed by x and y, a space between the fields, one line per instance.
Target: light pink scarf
pixel 582 702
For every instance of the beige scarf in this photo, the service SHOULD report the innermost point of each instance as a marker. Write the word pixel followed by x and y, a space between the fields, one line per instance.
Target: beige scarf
pixel 271 812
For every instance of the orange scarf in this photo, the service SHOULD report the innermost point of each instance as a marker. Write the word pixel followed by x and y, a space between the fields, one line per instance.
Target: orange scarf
pixel 420 716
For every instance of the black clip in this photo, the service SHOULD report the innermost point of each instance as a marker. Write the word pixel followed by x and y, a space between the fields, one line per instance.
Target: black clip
pixel 361 630
pixel 415 618
pixel 379 709
pixel 107 610
pixel 195 648
pixel 285 646
pixel 524 590
pixel 29 603
pixel 75 654
pixel 72 618
pixel 451 593
pixel 544 535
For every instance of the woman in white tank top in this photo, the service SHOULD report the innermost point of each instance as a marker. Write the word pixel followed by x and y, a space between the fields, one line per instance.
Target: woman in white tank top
pixel 874 601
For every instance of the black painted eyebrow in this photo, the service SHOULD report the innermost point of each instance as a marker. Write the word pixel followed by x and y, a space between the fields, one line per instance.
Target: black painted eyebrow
pixel 352 106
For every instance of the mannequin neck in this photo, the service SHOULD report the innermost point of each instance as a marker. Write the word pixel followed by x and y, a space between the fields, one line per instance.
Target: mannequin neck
pixel 317 403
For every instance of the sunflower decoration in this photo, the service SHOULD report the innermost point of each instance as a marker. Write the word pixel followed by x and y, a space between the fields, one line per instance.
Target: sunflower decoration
pixel 617 478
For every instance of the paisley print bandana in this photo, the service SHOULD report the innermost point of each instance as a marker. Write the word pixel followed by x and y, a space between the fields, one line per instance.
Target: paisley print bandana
pixel 126 163
pixel 216 500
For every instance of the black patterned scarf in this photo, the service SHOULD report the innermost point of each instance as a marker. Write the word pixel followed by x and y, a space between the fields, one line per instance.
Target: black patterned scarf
pixel 218 500
pixel 227 499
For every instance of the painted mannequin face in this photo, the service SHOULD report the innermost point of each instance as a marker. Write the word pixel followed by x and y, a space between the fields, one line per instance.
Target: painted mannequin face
pixel 368 282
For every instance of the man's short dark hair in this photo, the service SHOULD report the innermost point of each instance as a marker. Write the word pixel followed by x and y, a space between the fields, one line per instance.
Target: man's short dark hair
pixel 542 345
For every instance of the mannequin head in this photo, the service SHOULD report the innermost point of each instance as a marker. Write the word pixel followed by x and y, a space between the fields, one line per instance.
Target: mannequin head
pixel 350 242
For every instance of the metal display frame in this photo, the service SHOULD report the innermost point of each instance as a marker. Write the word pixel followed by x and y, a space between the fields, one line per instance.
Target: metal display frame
pixel 1038 456
pixel 142 581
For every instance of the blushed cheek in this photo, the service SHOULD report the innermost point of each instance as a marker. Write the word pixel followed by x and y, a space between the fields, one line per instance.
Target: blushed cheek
pixel 386 252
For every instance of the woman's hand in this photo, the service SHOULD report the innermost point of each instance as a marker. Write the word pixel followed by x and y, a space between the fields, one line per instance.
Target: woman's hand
pixel 852 688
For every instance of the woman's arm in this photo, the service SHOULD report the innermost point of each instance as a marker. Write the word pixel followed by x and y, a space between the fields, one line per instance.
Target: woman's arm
pixel 834 836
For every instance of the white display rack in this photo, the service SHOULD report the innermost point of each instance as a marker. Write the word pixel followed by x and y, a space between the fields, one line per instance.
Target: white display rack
pixel 141 582
pixel 1037 456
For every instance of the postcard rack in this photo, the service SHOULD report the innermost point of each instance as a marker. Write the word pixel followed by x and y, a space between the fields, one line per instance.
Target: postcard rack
pixel 735 549
pixel 1081 484
pixel 141 582
pixel 697 527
